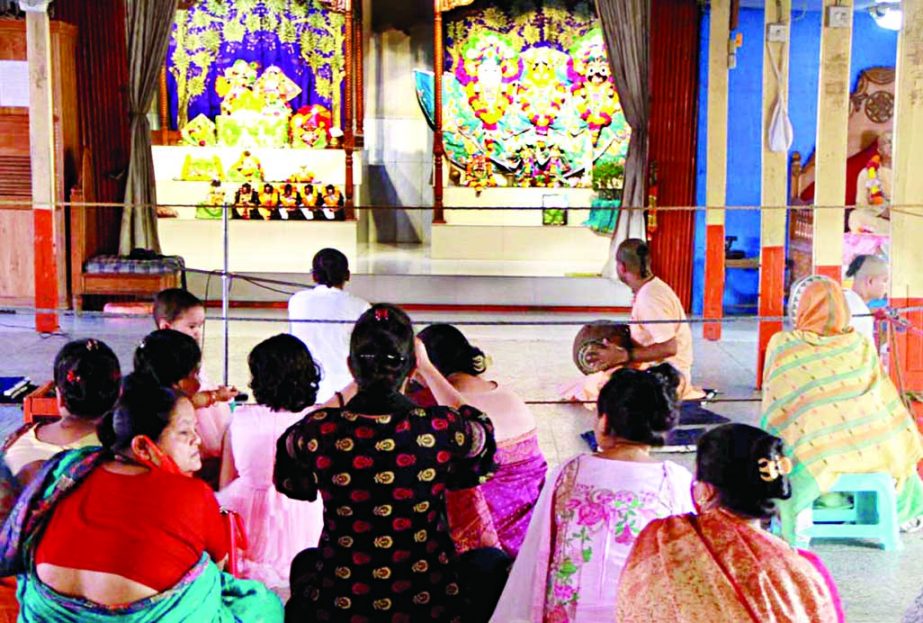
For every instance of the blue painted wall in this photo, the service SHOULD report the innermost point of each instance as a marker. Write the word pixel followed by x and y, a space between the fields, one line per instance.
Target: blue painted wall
pixel 872 47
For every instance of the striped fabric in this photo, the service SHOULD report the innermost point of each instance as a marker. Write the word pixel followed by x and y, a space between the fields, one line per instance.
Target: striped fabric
pixel 827 396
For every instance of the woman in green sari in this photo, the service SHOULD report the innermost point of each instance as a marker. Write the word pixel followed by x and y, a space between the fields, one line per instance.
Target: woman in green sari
pixel 123 534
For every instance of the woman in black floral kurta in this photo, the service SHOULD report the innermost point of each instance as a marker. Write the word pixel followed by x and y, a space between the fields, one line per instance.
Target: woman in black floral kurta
pixel 382 465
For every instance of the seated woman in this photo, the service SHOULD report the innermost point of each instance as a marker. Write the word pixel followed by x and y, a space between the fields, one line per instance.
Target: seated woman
pixel 826 395
pixel 284 383
pixel 382 465
pixel 584 525
pixel 719 565
pixel 9 491
pixel 510 495
pixel 123 534
pixel 86 379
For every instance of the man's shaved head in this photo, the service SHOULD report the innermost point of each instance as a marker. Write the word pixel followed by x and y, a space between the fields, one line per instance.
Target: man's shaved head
pixel 635 256
pixel 870 275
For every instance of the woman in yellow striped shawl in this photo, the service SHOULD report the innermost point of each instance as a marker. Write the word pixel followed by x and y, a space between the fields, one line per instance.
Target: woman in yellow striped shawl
pixel 826 395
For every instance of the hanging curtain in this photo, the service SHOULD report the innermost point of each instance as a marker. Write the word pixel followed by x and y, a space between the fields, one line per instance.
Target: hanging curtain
pixel 626 27
pixel 149 23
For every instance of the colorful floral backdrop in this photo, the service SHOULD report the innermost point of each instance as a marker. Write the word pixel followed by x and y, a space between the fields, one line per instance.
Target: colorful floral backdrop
pixel 299 36
pixel 528 88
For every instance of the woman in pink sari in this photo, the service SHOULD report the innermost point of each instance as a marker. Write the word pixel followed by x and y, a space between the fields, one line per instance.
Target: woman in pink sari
pixel 497 513
pixel 585 523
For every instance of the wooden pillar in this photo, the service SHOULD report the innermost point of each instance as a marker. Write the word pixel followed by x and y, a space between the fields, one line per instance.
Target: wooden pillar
pixel 359 72
pixel 831 152
pixel 774 186
pixel 42 155
pixel 906 221
pixel 716 165
pixel 349 135
pixel 438 146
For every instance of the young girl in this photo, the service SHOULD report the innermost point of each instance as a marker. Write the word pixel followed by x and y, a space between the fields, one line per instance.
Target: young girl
pixel 284 383
pixel 594 507
pixel 86 378
pixel 182 311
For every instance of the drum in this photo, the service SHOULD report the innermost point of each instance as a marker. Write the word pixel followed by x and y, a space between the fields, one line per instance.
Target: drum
pixel 594 333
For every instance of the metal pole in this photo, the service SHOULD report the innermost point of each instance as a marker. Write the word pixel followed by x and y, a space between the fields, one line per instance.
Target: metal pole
pixel 225 293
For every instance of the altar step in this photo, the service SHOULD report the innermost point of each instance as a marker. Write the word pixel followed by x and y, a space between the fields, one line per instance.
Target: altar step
pixel 478 292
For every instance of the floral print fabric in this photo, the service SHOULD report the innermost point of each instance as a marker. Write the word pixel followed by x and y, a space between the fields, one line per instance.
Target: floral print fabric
pixel 385 552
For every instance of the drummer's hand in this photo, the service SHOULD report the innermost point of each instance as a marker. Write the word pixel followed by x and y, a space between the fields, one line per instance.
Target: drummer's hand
pixel 606 356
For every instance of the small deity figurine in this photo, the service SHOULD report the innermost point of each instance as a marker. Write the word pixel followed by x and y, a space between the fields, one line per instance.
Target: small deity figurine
pixel 214 202
pixel 479 173
pixel 246 201
pixel 555 168
pixel 333 202
pixel 268 201
pixel 246 169
pixel 526 170
pixel 290 204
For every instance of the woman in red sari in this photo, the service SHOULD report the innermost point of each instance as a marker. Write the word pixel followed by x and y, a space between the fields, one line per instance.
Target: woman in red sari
pixel 719 565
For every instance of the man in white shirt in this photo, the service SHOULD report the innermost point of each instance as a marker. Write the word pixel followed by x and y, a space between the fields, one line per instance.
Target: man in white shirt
pixel 328 342
pixel 870 282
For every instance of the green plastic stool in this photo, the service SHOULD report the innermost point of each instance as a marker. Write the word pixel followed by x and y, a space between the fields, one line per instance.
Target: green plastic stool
pixel 873 514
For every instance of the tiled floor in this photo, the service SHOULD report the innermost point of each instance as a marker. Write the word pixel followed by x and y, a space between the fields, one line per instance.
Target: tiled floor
pixel 414 259
pixel 532 359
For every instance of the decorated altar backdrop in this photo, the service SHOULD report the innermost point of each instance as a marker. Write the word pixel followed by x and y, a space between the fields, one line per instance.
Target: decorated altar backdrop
pixel 301 38
pixel 528 96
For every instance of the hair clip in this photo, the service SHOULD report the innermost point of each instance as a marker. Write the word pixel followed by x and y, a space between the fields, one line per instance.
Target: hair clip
pixel 72 377
pixel 480 363
pixel 772 469
pixel 381 314
pixel 91 344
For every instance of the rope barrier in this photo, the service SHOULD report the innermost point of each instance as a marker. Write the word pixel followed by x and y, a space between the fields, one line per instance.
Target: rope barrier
pixel 908 209
pixel 69 313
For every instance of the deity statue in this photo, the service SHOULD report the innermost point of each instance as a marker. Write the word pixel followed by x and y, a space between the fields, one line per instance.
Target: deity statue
pixel 235 87
pixel 487 72
pixel 310 127
pixel 593 90
pixel 214 202
pixel 247 168
pixel 246 200
pixel 479 173
pixel 541 94
pixel 269 199
pixel 276 90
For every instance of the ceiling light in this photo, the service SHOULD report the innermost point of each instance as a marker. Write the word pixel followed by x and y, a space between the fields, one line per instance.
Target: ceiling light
pixel 887 14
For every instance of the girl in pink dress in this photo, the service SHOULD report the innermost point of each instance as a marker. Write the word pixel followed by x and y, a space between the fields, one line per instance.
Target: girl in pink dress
pixel 284 383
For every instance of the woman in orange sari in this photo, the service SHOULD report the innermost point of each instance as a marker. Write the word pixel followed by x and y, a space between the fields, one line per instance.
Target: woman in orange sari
pixel 719 565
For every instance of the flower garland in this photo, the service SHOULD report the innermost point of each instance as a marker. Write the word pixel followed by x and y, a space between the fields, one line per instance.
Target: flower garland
pixel 875 192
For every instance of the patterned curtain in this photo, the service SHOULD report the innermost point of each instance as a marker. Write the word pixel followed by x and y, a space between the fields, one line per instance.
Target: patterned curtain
pixel 627 29
pixel 149 24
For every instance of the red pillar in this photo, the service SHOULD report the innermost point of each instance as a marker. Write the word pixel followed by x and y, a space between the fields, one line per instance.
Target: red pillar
pixel 714 281
pixel 772 295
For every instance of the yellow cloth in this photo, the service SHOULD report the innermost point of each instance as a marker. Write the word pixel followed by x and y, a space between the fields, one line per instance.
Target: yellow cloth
pixel 826 395
pixel 716 567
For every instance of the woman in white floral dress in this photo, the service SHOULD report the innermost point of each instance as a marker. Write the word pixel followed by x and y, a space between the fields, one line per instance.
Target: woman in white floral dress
pixel 584 525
